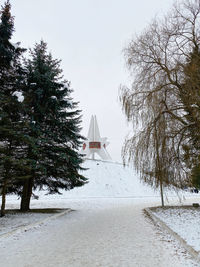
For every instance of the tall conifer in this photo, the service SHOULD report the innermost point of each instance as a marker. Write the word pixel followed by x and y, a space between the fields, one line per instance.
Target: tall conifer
pixel 11 125
pixel 190 98
pixel 55 124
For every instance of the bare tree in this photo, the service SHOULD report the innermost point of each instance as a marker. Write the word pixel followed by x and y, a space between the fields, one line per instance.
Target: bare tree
pixel 157 104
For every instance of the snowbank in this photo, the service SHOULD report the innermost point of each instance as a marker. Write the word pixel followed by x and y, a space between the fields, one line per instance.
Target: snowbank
pixel 183 221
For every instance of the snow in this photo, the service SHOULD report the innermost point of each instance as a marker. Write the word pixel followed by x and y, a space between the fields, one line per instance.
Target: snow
pixel 15 220
pixel 109 179
pixel 100 232
pixel 194 106
pixel 107 226
pixel 16 45
pixel 112 179
pixel 19 96
pixel 184 221
pixel 106 180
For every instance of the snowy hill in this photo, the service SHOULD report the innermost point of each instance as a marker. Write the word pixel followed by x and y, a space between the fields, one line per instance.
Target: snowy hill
pixel 106 180
pixel 109 179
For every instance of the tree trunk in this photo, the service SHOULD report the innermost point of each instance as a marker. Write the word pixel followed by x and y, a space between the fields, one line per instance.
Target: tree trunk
pixel 26 194
pixel 3 197
pixel 161 193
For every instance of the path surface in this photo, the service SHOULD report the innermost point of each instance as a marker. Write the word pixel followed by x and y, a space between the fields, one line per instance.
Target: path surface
pixel 104 233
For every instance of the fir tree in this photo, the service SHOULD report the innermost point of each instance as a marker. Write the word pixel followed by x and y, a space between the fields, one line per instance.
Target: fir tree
pixel 11 125
pixel 55 125
pixel 190 98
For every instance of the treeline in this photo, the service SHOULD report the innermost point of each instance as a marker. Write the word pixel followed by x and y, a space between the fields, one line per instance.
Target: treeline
pixel 163 102
pixel 39 121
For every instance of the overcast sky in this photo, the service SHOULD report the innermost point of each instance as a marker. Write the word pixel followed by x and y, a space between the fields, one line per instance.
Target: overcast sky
pixel 89 35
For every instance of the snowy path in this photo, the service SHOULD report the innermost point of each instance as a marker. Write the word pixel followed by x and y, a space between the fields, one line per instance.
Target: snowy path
pixel 106 233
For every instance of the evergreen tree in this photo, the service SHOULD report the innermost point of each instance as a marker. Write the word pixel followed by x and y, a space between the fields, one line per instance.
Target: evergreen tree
pixel 190 98
pixel 55 126
pixel 12 163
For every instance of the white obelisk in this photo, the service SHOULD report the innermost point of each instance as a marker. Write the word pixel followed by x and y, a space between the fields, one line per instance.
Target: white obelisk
pixel 94 143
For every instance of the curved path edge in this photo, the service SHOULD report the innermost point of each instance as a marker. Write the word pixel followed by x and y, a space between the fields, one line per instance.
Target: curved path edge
pixel 32 225
pixel 191 250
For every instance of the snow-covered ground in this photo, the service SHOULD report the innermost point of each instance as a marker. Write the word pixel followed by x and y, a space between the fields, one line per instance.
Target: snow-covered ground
pixel 184 221
pixel 107 227
pixel 100 232
pixel 15 220
pixel 106 180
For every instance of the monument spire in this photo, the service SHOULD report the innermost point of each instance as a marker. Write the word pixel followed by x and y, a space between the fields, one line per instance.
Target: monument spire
pixel 94 143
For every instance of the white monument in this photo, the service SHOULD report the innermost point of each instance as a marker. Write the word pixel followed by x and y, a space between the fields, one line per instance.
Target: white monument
pixel 94 143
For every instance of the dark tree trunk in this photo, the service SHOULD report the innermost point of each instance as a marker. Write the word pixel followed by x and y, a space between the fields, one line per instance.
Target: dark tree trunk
pixel 26 194
pixel 4 188
pixel 3 197
pixel 161 193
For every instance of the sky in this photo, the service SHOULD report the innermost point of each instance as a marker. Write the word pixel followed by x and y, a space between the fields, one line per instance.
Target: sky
pixel 89 37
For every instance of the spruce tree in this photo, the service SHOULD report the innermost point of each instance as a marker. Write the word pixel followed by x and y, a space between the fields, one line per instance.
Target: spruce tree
pixel 12 140
pixel 55 125
pixel 190 98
